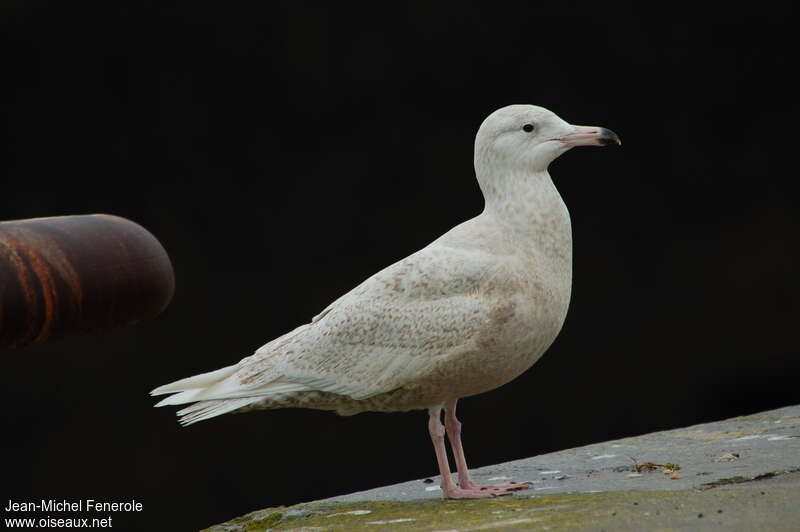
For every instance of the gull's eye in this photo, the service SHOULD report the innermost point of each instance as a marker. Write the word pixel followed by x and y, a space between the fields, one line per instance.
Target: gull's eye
pixel 527 128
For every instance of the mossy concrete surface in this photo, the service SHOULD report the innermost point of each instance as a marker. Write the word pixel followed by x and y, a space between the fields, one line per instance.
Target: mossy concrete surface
pixel 744 509
pixel 741 474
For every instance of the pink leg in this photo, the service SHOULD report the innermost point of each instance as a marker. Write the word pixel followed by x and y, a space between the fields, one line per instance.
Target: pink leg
pixel 453 426
pixel 449 489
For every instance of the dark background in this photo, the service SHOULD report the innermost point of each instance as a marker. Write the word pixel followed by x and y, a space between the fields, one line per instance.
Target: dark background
pixel 282 153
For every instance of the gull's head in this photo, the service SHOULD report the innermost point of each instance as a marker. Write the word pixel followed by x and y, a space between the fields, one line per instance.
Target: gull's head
pixel 528 138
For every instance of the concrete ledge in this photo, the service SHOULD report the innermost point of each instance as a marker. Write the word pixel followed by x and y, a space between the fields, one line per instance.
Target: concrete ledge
pixel 738 474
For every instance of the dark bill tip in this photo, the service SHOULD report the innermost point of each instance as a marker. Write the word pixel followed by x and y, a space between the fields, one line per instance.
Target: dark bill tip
pixel 608 137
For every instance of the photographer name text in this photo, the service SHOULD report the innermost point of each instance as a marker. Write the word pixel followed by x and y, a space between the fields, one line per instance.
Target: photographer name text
pixel 81 505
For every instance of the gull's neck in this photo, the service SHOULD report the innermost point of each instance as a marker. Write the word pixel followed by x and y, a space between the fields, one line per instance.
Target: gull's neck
pixel 523 201
pixel 529 208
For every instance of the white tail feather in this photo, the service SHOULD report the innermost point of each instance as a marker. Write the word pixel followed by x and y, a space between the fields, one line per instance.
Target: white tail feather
pixel 208 409
pixel 218 392
pixel 202 381
pixel 232 389
pixel 180 398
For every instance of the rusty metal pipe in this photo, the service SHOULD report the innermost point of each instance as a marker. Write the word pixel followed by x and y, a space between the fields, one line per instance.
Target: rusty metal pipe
pixel 70 274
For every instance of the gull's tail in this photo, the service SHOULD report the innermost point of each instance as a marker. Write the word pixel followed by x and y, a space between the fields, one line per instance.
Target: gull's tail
pixel 219 392
pixel 186 391
pixel 192 386
pixel 208 409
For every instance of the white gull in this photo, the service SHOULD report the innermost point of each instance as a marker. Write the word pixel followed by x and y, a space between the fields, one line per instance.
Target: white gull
pixel 466 314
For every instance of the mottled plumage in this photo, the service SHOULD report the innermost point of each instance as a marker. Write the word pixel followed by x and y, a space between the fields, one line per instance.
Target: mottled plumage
pixel 466 314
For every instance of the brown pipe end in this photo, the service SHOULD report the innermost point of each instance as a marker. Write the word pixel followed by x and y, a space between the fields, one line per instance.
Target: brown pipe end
pixel 70 274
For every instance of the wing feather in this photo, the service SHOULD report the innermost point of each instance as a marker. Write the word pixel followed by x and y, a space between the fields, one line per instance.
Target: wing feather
pixel 386 332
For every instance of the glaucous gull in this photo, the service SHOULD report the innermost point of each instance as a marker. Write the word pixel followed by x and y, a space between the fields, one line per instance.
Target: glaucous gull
pixel 464 315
